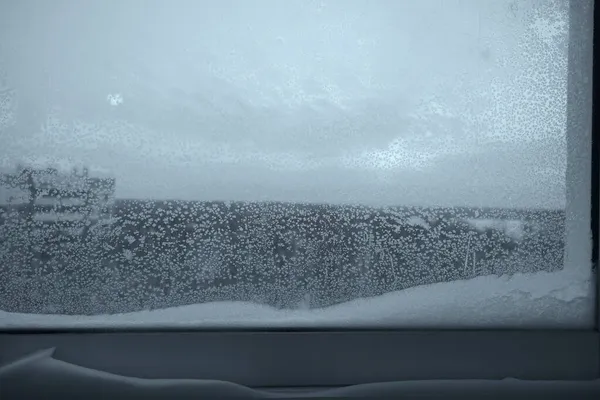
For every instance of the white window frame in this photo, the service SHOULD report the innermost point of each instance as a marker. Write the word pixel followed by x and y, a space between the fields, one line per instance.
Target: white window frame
pixel 329 358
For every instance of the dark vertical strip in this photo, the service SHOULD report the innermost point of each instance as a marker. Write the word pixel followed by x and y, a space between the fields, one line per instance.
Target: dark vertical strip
pixel 581 178
pixel 595 220
pixel 579 137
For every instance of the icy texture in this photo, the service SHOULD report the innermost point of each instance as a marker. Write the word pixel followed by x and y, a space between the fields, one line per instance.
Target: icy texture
pixel 552 300
pixel 366 104
pixel 152 254
pixel 303 160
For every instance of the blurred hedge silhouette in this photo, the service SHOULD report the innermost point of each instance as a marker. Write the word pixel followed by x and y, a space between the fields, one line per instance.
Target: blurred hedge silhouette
pixel 155 254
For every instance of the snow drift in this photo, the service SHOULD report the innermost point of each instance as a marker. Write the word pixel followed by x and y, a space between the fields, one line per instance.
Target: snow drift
pixel 538 300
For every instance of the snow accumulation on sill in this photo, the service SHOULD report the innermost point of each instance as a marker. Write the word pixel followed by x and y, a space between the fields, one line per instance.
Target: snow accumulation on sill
pixel 563 299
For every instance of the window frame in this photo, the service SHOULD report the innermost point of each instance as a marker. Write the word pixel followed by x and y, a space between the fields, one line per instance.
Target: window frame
pixel 330 358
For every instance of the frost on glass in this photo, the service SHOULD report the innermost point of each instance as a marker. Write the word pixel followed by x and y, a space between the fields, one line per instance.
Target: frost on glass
pixel 322 162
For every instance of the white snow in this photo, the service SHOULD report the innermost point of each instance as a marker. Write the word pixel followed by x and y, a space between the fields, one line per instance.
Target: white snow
pixel 514 229
pixel 56 216
pixel 563 299
pixel 72 216
pixel 68 201
pixel 418 221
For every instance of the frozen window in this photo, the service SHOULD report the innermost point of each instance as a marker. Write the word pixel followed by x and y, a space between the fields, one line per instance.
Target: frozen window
pixel 297 163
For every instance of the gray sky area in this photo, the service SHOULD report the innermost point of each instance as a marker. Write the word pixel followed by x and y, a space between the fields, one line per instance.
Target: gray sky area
pixel 424 102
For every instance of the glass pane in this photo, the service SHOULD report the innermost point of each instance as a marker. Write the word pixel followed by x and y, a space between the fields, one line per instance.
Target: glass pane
pixel 292 163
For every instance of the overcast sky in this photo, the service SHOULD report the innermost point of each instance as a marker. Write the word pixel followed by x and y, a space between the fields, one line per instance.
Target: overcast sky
pixel 425 102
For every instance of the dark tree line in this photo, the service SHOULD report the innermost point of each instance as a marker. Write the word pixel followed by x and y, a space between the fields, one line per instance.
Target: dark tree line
pixel 169 253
